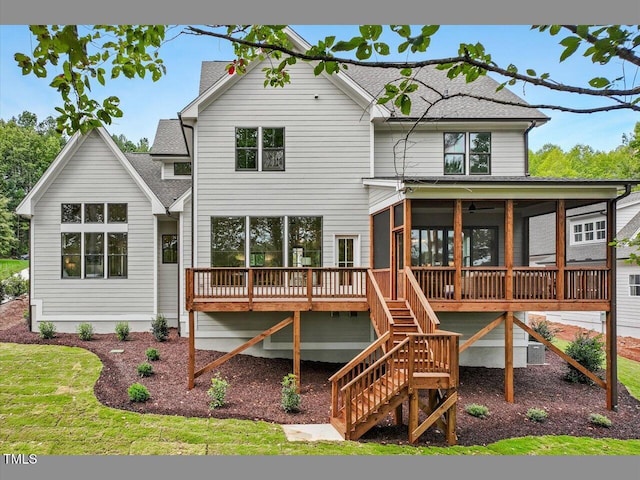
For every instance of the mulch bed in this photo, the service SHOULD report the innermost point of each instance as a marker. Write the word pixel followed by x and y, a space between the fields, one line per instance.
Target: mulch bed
pixel 255 390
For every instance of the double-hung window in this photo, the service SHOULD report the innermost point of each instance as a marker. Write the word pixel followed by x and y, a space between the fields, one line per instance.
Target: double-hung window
pixel 259 149
pixel 467 152
pixel 93 236
pixel 634 285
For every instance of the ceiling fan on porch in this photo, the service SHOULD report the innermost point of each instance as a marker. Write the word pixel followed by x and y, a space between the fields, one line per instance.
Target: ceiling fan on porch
pixel 473 208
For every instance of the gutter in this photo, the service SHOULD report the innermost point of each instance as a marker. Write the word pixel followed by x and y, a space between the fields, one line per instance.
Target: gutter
pixel 526 148
pixel 613 327
pixel 183 125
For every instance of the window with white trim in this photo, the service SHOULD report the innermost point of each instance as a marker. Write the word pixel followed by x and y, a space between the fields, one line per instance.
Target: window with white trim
pixel 91 240
pixel 634 285
pixel 259 149
pixel 588 231
pixel 467 152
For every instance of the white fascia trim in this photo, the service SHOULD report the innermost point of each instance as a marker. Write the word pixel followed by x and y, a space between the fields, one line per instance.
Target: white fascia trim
pixel 374 182
pixel 178 205
pixel 372 149
pixel 155 266
pixel 27 205
pixel 156 206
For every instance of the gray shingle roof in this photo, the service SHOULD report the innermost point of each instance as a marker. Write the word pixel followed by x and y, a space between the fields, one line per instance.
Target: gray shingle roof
pixel 628 231
pixel 461 179
pixel 169 139
pixel 373 79
pixel 210 73
pixel 150 170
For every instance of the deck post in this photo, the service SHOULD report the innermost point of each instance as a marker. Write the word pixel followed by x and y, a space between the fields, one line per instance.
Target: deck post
pixel 296 348
pixel 407 233
pixel 192 350
pixel 561 226
pixel 508 357
pixel 457 249
pixel 611 315
pixel 508 249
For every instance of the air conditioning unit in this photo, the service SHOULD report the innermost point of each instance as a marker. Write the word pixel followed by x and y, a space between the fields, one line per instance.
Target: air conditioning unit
pixel 535 353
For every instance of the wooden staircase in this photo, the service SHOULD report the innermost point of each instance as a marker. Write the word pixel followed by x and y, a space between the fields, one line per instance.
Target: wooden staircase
pixel 404 322
pixel 410 355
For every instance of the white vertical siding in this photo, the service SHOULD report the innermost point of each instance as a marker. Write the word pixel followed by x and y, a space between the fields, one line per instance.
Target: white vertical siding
pixel 326 157
pixel 422 152
pixel 93 174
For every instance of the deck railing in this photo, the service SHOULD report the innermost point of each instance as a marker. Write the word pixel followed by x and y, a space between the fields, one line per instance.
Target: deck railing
pixel 527 283
pixel 275 283
pixel 379 310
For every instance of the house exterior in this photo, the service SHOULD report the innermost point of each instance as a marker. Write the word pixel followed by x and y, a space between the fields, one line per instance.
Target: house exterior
pixel 311 223
pixel 586 245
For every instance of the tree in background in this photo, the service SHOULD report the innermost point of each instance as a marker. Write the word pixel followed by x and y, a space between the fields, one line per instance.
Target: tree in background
pixel 127 145
pixel 8 239
pixel 27 148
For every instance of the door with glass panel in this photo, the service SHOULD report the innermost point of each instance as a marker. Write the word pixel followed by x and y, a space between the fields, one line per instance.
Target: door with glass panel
pixel 345 258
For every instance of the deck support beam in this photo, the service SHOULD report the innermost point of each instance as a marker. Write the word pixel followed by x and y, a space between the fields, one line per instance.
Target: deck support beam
pixel 192 349
pixel 611 315
pixel 296 348
pixel 508 357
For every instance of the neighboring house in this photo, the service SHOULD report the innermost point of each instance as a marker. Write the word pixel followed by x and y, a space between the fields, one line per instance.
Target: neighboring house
pixel 586 245
pixel 306 222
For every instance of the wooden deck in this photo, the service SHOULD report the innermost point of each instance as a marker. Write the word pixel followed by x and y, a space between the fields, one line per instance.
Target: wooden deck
pixel 469 289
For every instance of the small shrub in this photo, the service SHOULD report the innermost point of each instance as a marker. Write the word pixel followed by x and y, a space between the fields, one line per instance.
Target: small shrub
pixel 145 369
pixel 543 328
pixel 85 331
pixel 122 331
pixel 290 400
pixel 587 351
pixel 138 393
pixel 159 328
pixel 15 286
pixel 537 415
pixel 47 330
pixel 217 392
pixel 599 420
pixel 152 354
pixel 480 411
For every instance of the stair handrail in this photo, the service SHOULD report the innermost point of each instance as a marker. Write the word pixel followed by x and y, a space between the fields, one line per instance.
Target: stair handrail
pixel 419 304
pixel 376 301
pixel 360 357
pixel 346 390
pixel 375 364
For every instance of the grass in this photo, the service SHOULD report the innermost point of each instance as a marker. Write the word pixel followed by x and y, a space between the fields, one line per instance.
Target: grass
pixel 47 407
pixel 9 266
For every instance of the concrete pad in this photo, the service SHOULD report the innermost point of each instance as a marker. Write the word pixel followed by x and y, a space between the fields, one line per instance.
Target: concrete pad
pixel 312 433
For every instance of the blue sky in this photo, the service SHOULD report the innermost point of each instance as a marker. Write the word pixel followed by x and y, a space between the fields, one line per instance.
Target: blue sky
pixel 145 102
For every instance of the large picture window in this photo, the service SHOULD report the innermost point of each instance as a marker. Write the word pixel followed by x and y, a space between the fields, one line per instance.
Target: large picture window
pixel 467 152
pixel 294 241
pixel 259 149
pixel 434 246
pixel 266 240
pixel 305 241
pixel 90 240
pixel 228 241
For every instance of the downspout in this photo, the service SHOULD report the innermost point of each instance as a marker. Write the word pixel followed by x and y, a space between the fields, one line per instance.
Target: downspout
pixel 614 303
pixel 526 148
pixel 183 125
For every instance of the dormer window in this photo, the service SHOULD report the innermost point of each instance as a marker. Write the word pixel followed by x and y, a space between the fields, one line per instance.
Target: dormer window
pixel 181 169
pixel 467 152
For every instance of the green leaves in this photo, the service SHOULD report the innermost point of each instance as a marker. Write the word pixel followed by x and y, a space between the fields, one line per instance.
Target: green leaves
pixel 129 49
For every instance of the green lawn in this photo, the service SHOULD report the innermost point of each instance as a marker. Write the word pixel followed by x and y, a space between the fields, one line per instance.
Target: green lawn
pixel 47 407
pixel 9 266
